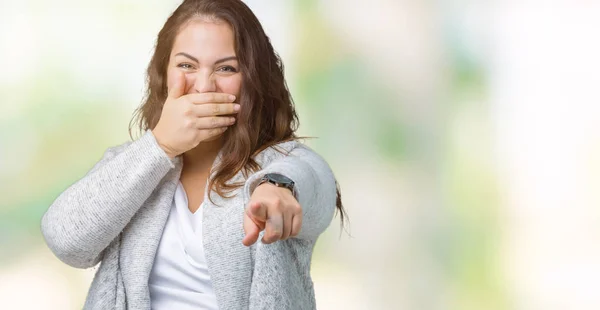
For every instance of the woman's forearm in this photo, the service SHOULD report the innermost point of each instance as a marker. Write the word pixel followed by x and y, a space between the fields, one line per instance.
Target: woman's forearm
pixel 86 217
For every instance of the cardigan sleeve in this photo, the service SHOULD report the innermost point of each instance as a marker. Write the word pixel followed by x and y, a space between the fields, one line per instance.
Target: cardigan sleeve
pixel 315 187
pixel 88 215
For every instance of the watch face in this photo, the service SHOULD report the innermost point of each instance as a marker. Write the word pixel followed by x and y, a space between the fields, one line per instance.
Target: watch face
pixel 279 178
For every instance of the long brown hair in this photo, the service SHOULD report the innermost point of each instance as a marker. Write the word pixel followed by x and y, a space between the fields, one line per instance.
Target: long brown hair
pixel 268 116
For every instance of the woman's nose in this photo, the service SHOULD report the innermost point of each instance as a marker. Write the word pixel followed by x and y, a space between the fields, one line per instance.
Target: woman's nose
pixel 204 82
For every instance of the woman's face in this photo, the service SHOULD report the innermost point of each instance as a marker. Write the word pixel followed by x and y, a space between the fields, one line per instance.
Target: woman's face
pixel 204 50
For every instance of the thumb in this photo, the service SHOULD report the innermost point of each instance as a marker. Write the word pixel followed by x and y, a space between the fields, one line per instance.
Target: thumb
pixel 178 88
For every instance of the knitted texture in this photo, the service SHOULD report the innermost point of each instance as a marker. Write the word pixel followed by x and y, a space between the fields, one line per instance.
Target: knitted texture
pixel 116 213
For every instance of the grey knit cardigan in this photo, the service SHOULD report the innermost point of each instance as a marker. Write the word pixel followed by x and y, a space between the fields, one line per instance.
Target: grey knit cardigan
pixel 116 213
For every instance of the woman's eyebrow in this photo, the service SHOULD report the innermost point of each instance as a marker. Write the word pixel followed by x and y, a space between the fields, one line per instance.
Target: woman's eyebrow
pixel 188 56
pixel 225 59
pixel 196 60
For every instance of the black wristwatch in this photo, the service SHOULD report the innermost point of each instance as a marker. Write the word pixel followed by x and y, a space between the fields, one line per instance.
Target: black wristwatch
pixel 278 180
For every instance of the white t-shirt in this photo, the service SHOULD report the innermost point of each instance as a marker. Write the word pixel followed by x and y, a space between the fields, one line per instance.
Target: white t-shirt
pixel 179 278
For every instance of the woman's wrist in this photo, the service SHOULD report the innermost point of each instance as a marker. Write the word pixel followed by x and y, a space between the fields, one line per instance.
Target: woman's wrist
pixel 165 148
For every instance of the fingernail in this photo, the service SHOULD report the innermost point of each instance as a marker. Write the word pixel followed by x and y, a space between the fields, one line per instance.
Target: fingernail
pixel 231 97
pixel 236 107
pixel 232 120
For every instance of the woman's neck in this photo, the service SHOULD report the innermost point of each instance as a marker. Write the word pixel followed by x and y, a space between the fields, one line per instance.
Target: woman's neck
pixel 200 159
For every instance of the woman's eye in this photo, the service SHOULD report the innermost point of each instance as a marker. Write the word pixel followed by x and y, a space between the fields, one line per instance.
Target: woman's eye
pixel 185 66
pixel 227 69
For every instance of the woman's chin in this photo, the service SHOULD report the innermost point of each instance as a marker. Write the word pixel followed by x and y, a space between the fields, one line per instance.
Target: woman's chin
pixel 215 138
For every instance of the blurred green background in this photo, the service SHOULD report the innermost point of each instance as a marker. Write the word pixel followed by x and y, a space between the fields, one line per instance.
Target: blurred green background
pixel 465 136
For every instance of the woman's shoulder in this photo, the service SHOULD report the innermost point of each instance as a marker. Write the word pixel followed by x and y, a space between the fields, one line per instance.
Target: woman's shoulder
pixel 285 149
pixel 278 150
pixel 117 149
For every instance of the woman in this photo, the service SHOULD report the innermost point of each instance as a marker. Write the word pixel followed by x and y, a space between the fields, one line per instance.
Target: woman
pixel 175 217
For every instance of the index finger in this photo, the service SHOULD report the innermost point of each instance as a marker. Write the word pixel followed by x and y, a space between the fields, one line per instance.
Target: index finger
pixel 251 230
pixel 178 88
pixel 203 98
